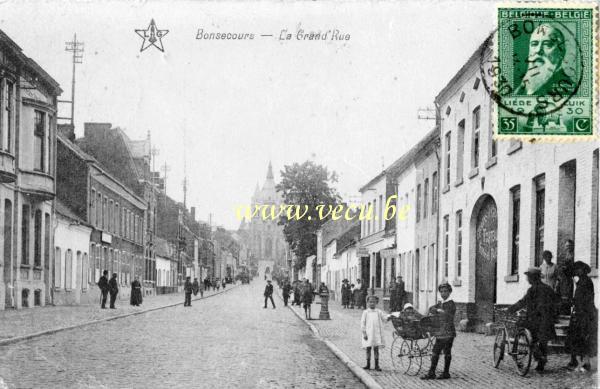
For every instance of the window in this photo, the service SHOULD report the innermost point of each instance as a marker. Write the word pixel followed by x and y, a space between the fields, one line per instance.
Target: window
pixel 475 149
pixel 380 212
pixel 448 139
pixel 368 221
pixel 92 218
pixel 92 264
pixel 37 239
pixel 7 116
pixel 69 269
pixel 109 225
pixel 374 214
pixel 38 140
pixel 117 219
pixel 460 150
pixel 25 234
pixel 105 213
pixel 98 211
pixel 7 231
pixel 425 197
pixel 446 229
pixel 418 215
pixel 458 244
pixel 57 268
pixel 515 199
pixel 83 274
pixel 434 193
pixel 540 195
pixel 378 270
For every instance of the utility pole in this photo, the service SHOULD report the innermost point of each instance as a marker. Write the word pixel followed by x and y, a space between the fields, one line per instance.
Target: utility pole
pixel 76 48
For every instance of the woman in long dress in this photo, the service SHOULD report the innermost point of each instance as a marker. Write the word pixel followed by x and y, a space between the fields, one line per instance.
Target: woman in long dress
pixel 136 292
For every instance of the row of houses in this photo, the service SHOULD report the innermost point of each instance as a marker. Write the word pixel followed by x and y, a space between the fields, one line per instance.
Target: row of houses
pixel 72 208
pixel 472 211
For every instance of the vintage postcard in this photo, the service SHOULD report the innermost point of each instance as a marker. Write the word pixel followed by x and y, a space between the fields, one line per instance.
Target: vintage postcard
pixel 292 194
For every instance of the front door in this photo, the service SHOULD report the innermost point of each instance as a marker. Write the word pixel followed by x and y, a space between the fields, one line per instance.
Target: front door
pixel 485 260
pixel 365 270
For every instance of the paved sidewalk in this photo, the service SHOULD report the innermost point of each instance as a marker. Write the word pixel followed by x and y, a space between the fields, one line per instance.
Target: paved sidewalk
pixel 24 322
pixel 471 359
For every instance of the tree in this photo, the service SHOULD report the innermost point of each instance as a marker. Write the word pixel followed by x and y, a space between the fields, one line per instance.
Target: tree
pixel 306 185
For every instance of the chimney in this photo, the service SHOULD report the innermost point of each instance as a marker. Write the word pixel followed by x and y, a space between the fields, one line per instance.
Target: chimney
pixel 91 130
pixel 67 130
pixel 193 213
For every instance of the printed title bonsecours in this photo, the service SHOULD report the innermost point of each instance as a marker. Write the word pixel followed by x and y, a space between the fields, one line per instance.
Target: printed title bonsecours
pixel 283 35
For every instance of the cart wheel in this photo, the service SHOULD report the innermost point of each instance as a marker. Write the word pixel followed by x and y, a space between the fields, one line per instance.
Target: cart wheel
pixel 499 343
pixel 400 353
pixel 522 352
pixel 415 357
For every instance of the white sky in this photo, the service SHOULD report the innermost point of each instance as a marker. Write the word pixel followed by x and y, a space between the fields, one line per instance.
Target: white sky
pixel 235 105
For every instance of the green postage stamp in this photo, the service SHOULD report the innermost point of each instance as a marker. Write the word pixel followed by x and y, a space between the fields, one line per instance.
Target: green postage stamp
pixel 543 71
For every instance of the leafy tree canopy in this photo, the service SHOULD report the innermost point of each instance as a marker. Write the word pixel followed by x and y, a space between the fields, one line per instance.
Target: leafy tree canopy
pixel 306 185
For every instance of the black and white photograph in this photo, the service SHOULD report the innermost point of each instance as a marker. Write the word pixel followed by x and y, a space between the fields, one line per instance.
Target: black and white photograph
pixel 299 194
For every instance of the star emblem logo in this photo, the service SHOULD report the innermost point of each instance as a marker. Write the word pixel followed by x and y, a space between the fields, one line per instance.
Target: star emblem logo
pixel 152 36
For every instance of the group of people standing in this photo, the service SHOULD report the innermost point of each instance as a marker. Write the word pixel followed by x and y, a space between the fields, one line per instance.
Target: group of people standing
pixel 354 296
pixel 564 289
pixel 111 287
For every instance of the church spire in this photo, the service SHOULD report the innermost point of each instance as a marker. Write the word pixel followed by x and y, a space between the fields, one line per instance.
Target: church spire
pixel 270 172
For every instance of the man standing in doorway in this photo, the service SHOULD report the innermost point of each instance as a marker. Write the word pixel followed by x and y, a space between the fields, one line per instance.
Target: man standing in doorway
pixel 113 288
pixel 400 292
pixel 565 278
pixel 103 285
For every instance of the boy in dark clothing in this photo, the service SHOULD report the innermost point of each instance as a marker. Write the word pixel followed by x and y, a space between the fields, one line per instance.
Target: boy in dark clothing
pixel 113 288
pixel 445 308
pixel 269 294
pixel 103 285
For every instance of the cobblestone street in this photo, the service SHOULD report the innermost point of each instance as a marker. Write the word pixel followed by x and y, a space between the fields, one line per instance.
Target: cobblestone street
pixel 471 359
pixel 222 342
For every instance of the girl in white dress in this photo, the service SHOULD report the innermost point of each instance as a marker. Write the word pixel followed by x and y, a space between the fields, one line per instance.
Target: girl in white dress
pixel 371 324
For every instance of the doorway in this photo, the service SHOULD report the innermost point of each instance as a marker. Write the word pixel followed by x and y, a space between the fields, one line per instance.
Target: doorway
pixel 486 238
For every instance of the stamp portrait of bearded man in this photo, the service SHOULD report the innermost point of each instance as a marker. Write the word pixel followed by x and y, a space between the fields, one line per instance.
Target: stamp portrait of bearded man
pixel 545 74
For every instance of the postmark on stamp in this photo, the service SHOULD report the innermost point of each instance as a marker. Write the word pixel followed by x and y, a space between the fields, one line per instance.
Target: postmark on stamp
pixel 542 72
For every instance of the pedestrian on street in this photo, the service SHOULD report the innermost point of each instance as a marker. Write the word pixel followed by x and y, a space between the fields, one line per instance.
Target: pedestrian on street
pixel 371 326
pixel 364 291
pixel 218 282
pixel 564 287
pixel 113 289
pixel 539 302
pixel 307 299
pixel 286 292
pixel 269 294
pixel 400 293
pixel 224 283
pixel 188 289
pixel 549 270
pixel 583 326
pixel 103 286
pixel 446 310
pixel 297 293
pixel 195 286
pixel 356 296
pixel 346 294
pixel 136 292
pixel 393 296
pixel 352 290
